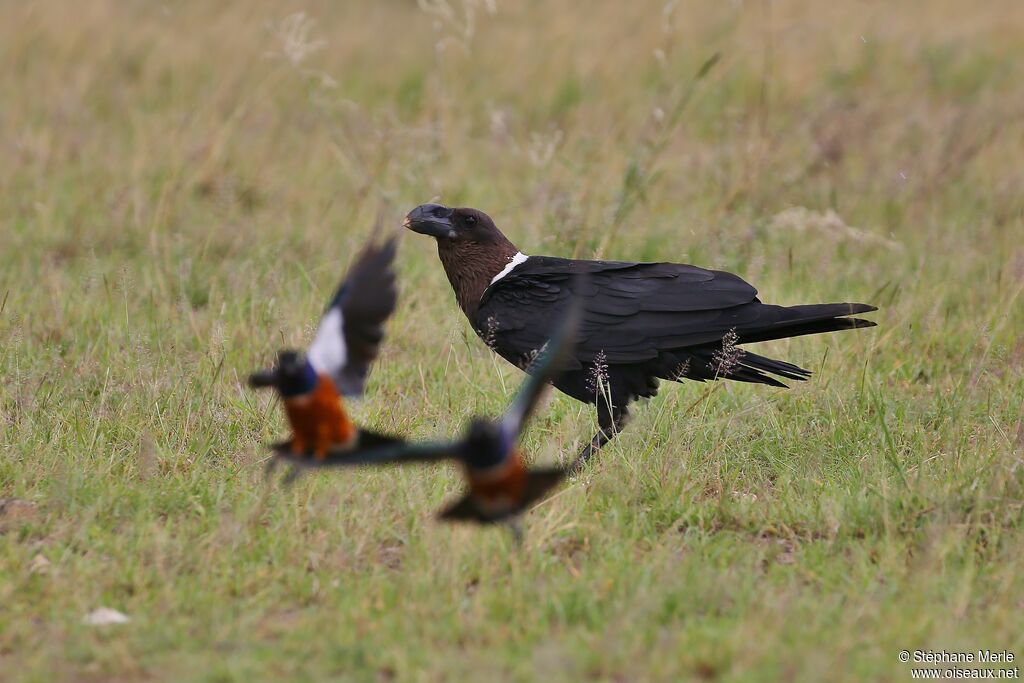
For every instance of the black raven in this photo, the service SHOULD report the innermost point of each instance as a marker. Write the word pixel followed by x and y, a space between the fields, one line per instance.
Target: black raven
pixel 641 321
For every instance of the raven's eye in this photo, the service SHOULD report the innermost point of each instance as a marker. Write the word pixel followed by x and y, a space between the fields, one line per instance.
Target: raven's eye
pixel 470 220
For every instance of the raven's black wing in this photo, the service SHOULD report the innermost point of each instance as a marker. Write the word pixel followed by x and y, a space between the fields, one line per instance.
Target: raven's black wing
pixel 351 330
pixel 549 362
pixel 632 311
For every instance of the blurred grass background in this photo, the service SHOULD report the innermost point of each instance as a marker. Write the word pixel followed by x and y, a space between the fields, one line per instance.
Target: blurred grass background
pixel 183 183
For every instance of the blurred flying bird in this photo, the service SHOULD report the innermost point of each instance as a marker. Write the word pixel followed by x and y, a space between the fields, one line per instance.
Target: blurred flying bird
pixel 500 486
pixel 336 363
pixel 641 322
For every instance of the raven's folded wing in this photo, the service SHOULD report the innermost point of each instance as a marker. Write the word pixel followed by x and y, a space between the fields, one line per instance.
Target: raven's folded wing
pixel 632 311
pixel 550 361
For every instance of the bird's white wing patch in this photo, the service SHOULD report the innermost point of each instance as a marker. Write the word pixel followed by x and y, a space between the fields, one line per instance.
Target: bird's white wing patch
pixel 327 353
pixel 516 260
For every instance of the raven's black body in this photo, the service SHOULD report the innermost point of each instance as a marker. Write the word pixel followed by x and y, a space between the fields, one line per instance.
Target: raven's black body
pixel 642 322
pixel 647 321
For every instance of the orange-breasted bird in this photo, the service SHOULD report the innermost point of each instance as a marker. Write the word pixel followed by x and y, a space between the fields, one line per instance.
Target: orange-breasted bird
pixel 500 486
pixel 337 363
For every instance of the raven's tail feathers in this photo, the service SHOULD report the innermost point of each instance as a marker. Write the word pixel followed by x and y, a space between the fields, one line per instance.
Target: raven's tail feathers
pixel 714 361
pixel 703 363
pixel 811 319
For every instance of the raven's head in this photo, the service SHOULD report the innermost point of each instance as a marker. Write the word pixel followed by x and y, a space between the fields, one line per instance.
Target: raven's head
pixel 455 225
pixel 472 249
pixel 291 376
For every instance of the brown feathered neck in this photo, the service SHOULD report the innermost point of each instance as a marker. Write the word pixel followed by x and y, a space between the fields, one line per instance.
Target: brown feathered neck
pixel 470 267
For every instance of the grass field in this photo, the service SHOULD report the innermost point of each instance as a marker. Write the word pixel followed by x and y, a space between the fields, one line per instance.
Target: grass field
pixel 182 185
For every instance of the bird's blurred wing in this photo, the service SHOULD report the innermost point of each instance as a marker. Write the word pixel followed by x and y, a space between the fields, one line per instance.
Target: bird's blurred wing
pixel 397 454
pixel 550 361
pixel 540 480
pixel 469 509
pixel 465 509
pixel 348 339
pixel 371 449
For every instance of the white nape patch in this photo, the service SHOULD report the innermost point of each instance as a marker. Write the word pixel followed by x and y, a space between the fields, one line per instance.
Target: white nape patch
pixel 516 260
pixel 327 354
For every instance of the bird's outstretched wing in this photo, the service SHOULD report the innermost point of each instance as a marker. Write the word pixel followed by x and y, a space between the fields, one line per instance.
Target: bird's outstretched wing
pixel 371 449
pixel 550 361
pixel 351 330
pixel 346 456
pixel 401 453
pixel 468 508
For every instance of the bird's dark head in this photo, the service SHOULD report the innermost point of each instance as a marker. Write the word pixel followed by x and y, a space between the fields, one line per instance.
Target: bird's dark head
pixel 291 376
pixel 485 445
pixel 456 225
pixel 471 248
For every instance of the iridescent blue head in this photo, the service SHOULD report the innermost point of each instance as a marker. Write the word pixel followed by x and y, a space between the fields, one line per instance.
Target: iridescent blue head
pixel 486 445
pixel 292 376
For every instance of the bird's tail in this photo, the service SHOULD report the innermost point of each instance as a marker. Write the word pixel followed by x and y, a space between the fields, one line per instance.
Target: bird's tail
pixel 724 360
pixel 810 319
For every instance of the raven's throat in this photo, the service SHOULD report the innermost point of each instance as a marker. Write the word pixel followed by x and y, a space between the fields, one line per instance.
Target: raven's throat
pixel 470 267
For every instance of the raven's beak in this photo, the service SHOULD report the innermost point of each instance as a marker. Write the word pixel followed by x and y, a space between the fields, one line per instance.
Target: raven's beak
pixel 263 379
pixel 431 219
